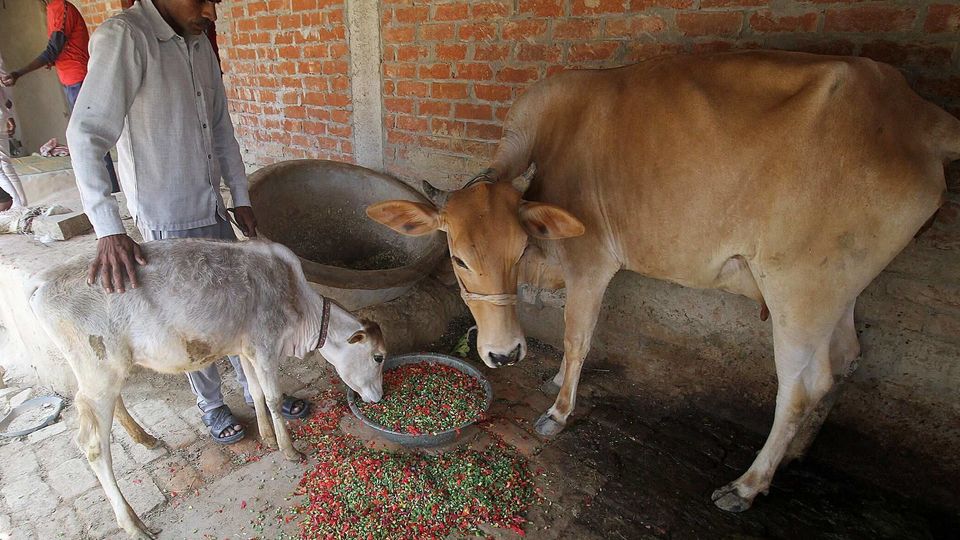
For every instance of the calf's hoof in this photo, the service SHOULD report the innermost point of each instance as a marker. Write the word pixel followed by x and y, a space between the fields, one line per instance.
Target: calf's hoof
pixel 549 387
pixel 140 532
pixel 729 500
pixel 547 425
pixel 270 442
pixel 150 442
pixel 293 455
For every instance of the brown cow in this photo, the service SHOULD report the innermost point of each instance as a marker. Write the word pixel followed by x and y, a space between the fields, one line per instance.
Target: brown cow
pixel 789 178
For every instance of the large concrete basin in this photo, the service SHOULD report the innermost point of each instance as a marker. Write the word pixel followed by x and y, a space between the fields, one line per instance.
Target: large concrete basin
pixel 317 209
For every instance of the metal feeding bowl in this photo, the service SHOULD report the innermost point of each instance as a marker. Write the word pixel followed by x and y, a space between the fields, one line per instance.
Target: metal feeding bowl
pixel 425 440
pixel 317 208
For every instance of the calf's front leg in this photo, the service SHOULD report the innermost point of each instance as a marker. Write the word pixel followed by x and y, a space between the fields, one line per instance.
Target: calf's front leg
pixel 266 373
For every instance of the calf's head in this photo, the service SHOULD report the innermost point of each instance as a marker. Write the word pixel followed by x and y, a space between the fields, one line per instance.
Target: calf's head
pixel 488 225
pixel 356 349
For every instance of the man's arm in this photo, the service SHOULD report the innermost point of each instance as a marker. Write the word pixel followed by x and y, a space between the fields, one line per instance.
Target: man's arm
pixel 49 55
pixel 95 125
pixel 228 152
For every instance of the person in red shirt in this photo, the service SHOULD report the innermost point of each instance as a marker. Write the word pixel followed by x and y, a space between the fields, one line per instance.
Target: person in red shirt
pixel 67 50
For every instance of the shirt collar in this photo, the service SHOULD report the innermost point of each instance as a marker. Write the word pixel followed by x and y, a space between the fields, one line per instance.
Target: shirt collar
pixel 161 29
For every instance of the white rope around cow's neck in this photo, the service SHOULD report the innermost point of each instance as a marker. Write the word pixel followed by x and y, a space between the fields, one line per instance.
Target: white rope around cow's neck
pixel 495 299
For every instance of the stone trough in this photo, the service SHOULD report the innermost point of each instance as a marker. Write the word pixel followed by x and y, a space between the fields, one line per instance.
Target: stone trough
pixel 317 209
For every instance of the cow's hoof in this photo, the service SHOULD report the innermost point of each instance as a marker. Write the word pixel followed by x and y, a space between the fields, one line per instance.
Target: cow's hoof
pixel 150 442
pixel 728 500
pixel 547 426
pixel 549 387
pixel 293 455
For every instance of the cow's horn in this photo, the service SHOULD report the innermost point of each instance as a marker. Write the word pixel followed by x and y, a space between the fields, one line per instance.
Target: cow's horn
pixel 437 196
pixel 522 182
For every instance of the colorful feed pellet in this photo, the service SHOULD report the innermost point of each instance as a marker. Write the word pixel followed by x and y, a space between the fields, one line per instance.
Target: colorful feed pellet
pixel 358 492
pixel 426 398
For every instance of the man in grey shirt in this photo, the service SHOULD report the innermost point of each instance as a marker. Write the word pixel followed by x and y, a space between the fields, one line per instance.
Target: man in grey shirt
pixel 154 89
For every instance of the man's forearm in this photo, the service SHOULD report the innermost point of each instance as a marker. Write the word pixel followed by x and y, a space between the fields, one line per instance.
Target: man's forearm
pixel 36 64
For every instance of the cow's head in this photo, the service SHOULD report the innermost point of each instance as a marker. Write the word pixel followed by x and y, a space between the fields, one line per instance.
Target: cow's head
pixel 356 349
pixel 488 225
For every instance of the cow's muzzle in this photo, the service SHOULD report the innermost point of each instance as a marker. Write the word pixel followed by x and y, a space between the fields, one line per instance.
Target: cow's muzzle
pixel 500 360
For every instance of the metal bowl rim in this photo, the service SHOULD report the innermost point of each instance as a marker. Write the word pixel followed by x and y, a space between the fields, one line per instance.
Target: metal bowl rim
pixel 431 358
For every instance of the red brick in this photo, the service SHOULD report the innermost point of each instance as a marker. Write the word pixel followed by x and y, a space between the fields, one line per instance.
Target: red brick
pixel 342 117
pixel 303 5
pixel 335 67
pixel 413 14
pixel 314 128
pixel 765 21
pixel 411 53
pixel 475 72
pixel 256 7
pixel 473 112
pixel 593 7
pixel 710 23
pixel 267 22
pixel 491 52
pixel 437 32
pixel 515 75
pixel 316 51
pixel 401 34
pixel 399 105
pixel 585 52
pixel 339 50
pixel 818 46
pixel 442 126
pixel 478 32
pixel 539 53
pixel 868 19
pixel 340 130
pixel 637 52
pixel 389 87
pixel 334 16
pixel 489 132
pixel 942 18
pixel 493 92
pixel 434 108
pixel 524 30
pixel 542 8
pixel 452 52
pixel 448 90
pixel 400 71
pixel 314 98
pixel 634 26
pixel 246 25
pixel 640 5
pixel 412 123
pixel 290 21
pixel 491 10
pixel 289 52
pixel 435 71
pixel 904 54
pixel 451 12
pixel 413 88
pixel 338 100
pixel 294 112
pixel 576 29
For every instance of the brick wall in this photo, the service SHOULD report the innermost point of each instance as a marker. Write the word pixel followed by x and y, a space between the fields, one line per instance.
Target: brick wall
pixel 285 68
pixel 451 69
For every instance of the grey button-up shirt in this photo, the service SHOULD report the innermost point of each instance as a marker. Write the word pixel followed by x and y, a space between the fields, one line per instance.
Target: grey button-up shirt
pixel 159 97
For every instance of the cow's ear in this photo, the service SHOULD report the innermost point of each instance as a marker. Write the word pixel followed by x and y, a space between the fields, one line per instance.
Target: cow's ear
pixel 549 222
pixel 406 217
pixel 357 337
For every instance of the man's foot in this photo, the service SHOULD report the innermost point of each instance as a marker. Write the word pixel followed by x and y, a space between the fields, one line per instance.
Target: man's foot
pixel 224 428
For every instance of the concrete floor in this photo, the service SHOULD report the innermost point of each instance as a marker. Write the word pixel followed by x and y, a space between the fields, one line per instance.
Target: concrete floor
pixel 626 467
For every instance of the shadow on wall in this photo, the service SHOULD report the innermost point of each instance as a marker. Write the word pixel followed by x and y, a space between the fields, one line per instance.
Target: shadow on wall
pixel 40 105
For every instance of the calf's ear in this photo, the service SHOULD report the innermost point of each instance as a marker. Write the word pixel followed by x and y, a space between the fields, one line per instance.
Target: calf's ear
pixel 549 222
pixel 406 217
pixel 357 337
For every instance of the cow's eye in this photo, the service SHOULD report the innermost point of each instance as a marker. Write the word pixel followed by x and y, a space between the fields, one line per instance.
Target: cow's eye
pixel 459 262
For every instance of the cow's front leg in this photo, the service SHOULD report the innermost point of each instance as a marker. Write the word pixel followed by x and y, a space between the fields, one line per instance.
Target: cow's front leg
pixel 267 375
pixel 584 297
pixel 264 422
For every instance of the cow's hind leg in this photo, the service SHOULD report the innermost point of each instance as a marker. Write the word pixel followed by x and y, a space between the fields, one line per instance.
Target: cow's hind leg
pixel 801 339
pixel 267 377
pixel 844 353
pixel 133 428
pixel 584 298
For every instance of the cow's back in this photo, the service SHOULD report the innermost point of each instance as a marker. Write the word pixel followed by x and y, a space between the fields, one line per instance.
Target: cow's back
pixel 679 163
